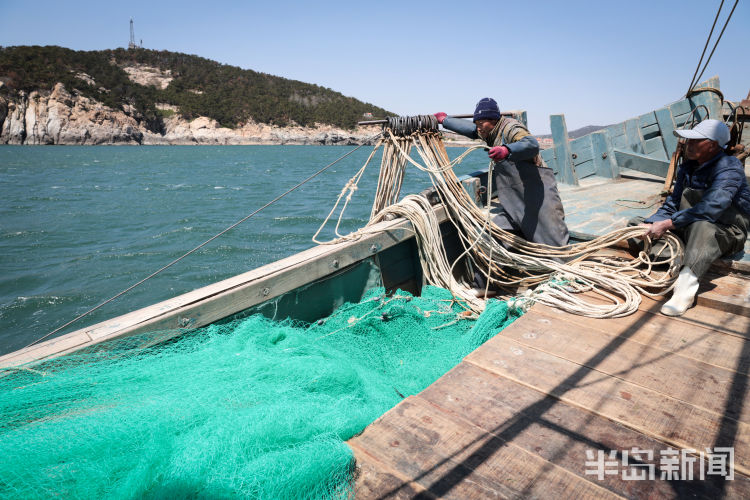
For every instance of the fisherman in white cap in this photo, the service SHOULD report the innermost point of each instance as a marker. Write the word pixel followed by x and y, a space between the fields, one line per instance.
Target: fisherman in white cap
pixel 709 209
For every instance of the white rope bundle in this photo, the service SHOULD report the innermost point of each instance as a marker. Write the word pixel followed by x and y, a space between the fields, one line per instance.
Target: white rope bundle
pixel 559 274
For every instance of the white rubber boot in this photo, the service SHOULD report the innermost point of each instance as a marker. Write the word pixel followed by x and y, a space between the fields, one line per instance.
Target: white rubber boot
pixel 683 294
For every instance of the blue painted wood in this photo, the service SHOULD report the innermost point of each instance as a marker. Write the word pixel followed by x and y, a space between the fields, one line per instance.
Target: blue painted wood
pixel 684 120
pixel 580 148
pixel 709 99
pixel 548 155
pixel 523 119
pixel 603 155
pixel 641 163
pixel 566 173
pixel 650 131
pixel 633 131
pixel 646 119
pixel 585 169
pixel 654 147
pixel 666 124
pixel 680 107
pixel 617 135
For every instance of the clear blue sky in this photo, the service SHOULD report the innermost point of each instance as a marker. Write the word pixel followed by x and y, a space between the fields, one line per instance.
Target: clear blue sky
pixel 598 62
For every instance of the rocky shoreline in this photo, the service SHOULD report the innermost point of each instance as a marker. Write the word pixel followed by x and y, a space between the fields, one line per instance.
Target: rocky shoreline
pixel 62 117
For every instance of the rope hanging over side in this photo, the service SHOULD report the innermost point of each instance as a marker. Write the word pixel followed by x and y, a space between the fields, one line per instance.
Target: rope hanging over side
pixel 559 274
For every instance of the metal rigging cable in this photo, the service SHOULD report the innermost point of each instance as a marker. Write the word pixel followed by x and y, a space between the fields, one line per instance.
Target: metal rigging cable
pixel 697 78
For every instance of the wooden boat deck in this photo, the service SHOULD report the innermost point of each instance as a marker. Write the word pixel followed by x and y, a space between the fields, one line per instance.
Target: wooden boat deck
pixel 517 417
pixel 600 205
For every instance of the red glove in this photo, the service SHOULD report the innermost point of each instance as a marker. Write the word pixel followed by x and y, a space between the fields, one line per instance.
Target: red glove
pixel 499 153
pixel 440 117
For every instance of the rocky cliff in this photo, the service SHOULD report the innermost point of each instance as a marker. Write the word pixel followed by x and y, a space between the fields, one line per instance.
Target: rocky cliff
pixel 62 117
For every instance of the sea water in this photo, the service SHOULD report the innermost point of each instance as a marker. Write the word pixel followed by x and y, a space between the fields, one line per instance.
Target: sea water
pixel 79 224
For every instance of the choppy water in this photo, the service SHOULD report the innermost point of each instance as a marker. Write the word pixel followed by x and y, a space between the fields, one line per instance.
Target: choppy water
pixel 79 224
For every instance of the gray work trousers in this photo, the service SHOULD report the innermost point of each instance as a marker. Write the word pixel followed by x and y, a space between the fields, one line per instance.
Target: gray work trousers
pixel 704 241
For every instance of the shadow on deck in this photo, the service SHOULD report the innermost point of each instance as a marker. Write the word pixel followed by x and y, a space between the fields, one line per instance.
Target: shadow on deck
pixel 554 405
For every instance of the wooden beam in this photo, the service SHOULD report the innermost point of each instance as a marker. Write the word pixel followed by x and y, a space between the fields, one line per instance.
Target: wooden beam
pixel 603 155
pixel 641 163
pixel 666 125
pixel 563 154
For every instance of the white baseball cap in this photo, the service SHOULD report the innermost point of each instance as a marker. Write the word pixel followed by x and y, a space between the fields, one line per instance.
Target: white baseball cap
pixel 715 130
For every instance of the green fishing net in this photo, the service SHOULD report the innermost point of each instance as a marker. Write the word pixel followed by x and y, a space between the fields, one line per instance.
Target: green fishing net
pixel 251 408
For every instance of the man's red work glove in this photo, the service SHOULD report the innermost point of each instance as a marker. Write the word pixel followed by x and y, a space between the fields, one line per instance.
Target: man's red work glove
pixel 440 117
pixel 499 153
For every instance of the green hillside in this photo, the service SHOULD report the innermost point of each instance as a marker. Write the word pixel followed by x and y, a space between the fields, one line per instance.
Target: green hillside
pixel 200 87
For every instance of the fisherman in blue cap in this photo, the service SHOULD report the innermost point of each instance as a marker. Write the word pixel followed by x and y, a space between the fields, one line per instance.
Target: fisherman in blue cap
pixel 709 209
pixel 528 202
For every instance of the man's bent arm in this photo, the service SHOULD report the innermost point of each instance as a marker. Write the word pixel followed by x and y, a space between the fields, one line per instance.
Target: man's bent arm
pixel 524 149
pixel 461 126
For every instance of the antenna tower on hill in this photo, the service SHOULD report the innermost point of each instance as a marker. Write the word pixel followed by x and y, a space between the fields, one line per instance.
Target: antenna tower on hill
pixel 132 44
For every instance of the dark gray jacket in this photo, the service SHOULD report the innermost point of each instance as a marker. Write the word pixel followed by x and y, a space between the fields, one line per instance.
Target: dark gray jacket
pixel 529 202
pixel 722 180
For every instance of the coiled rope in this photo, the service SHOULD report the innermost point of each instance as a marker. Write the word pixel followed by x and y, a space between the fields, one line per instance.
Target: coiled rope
pixel 559 274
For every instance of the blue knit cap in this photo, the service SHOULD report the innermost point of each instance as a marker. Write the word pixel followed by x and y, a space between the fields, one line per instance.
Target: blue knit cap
pixel 487 109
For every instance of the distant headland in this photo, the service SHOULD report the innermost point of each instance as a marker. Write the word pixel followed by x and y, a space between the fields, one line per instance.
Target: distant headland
pixel 54 95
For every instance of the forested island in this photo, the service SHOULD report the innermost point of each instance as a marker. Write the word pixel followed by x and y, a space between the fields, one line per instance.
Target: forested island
pixel 54 95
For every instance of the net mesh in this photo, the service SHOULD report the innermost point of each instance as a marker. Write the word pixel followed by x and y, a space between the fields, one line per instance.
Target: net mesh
pixel 251 408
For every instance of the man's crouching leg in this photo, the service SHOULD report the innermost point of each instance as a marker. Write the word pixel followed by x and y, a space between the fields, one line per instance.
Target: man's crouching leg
pixel 702 248
pixel 683 295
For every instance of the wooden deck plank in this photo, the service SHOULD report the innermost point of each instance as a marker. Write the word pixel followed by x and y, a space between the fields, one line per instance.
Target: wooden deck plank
pixel 726 293
pixel 636 363
pixel 675 422
pixel 698 342
pixel 706 315
pixel 455 459
pixel 373 479
pixel 558 432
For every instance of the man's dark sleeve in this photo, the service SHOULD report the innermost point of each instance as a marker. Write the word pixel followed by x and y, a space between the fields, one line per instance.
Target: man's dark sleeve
pixel 672 203
pixel 523 149
pixel 461 126
pixel 716 199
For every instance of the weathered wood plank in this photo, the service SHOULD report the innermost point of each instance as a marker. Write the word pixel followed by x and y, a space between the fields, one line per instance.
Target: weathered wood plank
pixel 455 459
pixel 666 124
pixel 635 139
pixel 650 328
pixel 567 172
pixel 585 169
pixel 654 147
pixel 548 155
pixel 581 149
pixel 374 480
pixel 650 131
pixel 641 163
pixel 603 155
pixel 672 421
pixel 558 432
pixel 680 109
pixel 709 99
pixel 700 384
pixel 725 293
pixel 646 120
